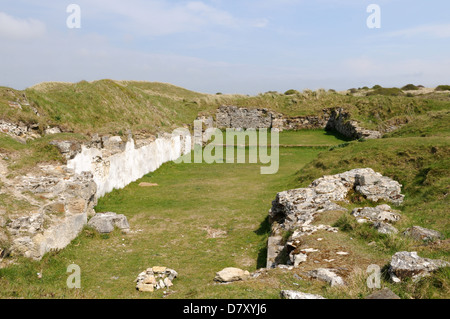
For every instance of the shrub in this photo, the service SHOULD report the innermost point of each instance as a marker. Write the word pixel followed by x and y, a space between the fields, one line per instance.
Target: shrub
pixel 291 92
pixel 376 87
pixel 410 87
pixel 443 88
pixel 386 92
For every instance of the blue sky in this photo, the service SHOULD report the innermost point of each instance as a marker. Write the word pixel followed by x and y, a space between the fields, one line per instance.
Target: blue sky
pixel 246 46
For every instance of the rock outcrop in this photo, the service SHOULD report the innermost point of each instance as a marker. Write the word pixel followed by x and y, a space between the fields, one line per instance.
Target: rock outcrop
pixel 294 210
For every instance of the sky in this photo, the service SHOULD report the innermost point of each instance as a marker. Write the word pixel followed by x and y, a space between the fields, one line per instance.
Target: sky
pixel 227 46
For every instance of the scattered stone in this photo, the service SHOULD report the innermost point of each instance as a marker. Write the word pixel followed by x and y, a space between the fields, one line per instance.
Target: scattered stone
pixel 292 294
pixel 52 130
pixel 104 223
pixel 155 278
pixel 327 275
pixel 231 274
pixel 384 293
pixel 408 264
pixel 420 233
pixel 342 253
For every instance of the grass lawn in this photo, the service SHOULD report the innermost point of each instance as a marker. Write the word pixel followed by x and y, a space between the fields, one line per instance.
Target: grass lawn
pixel 173 225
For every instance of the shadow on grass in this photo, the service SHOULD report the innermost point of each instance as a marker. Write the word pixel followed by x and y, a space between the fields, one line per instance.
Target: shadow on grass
pixel 263 230
pixel 338 135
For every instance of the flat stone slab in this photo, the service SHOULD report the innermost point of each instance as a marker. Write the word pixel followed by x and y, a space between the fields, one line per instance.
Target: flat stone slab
pixel 144 184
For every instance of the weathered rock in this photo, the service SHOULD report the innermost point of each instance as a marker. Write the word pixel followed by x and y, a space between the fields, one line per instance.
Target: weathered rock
pixel 106 222
pixel 420 233
pixel 384 293
pixel 385 228
pixel 231 274
pixel 408 264
pixel 52 130
pixel 69 149
pixel 327 275
pixel 292 294
pixel 377 187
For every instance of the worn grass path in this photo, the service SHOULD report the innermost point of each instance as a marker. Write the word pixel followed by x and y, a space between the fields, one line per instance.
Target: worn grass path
pixel 200 219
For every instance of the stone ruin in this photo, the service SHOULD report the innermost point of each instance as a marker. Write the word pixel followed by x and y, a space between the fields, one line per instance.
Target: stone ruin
pixel 294 210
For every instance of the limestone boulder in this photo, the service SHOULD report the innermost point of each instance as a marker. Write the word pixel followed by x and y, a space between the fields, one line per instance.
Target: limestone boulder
pixel 408 264
pixel 420 233
pixel 231 274
pixel 105 223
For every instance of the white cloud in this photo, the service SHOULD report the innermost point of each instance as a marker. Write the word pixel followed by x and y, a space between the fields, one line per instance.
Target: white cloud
pixel 158 18
pixel 16 28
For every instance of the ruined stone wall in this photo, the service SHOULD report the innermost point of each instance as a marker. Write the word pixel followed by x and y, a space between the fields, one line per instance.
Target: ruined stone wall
pixel 340 122
pixel 235 117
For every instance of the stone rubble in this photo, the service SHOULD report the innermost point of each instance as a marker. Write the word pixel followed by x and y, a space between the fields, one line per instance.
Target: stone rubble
pixel 294 210
pixel 155 278
pixel 328 275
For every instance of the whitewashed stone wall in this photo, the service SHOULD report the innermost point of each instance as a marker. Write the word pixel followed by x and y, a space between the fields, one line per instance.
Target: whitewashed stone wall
pixel 122 168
